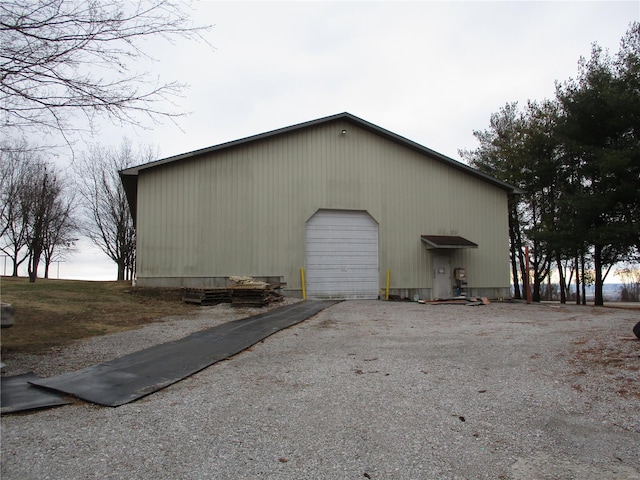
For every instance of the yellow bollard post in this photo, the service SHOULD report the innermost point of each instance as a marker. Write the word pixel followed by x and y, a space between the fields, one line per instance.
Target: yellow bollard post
pixel 304 287
pixel 386 296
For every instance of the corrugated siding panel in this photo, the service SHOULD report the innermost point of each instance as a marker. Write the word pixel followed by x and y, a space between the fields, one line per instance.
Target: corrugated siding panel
pixel 243 211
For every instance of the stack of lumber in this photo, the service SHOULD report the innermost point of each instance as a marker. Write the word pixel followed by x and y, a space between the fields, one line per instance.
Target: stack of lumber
pixel 246 282
pixel 240 292
pixel 248 292
pixel 249 297
pixel 209 296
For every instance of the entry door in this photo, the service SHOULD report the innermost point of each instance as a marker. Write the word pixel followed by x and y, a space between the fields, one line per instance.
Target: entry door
pixel 441 276
pixel 342 255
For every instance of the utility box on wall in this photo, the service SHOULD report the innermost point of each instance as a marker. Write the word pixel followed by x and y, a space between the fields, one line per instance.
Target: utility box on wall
pixel 460 277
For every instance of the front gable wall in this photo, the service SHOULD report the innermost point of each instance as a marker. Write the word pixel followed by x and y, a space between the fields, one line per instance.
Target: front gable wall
pixel 243 210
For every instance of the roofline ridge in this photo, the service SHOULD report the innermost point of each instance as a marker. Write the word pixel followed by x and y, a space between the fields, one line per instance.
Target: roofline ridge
pixel 133 171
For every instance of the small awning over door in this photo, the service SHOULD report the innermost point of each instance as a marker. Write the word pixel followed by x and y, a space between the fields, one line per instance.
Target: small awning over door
pixel 447 241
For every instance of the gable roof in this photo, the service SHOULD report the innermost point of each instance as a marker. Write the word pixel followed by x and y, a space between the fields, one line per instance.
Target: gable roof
pixel 129 176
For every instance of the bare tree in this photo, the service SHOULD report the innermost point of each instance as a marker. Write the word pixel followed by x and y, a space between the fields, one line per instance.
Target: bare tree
pixel 60 235
pixel 16 168
pixel 109 223
pixel 37 220
pixel 50 219
pixel 39 196
pixel 63 58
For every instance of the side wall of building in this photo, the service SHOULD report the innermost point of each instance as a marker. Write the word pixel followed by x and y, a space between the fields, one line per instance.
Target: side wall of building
pixel 243 210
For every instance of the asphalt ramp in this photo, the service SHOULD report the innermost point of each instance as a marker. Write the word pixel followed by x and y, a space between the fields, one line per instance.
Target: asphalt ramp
pixel 133 376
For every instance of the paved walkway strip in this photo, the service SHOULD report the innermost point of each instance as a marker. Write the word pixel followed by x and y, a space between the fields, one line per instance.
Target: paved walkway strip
pixel 133 376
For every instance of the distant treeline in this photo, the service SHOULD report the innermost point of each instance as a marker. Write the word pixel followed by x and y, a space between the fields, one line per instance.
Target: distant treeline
pixel 611 292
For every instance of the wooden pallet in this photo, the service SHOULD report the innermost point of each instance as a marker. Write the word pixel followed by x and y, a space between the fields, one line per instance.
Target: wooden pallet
pixel 253 297
pixel 201 296
pixel 239 296
pixel 467 301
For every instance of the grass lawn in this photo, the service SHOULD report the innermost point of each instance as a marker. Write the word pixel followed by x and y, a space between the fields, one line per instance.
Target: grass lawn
pixel 52 313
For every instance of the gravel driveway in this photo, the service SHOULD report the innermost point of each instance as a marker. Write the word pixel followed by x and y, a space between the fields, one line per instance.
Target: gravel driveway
pixel 365 389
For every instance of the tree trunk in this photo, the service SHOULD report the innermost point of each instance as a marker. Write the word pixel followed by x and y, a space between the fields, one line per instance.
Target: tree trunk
pixel 121 267
pixel 597 264
pixel 513 244
pixel 536 289
pixel 34 263
pixel 584 284
pixel 537 280
pixel 16 263
pixel 514 273
pixel 563 285
pixel 577 269
pixel 33 269
pixel 539 264
pixel 523 268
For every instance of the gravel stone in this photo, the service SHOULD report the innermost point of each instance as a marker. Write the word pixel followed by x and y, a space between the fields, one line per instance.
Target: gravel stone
pixel 364 389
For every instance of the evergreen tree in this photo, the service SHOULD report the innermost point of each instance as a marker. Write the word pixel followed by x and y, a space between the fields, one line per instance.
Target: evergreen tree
pixel 599 131
pixel 498 155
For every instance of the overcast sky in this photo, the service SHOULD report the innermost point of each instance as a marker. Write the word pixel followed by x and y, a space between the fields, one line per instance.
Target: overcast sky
pixel 430 71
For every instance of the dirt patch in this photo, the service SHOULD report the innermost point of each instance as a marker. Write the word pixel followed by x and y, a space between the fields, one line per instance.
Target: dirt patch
pixel 616 360
pixel 328 323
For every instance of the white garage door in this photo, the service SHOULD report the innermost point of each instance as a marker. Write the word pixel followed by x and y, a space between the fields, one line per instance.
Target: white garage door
pixel 342 255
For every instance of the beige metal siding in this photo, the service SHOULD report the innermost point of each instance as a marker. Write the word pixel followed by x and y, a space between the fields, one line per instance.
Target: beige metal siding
pixel 243 210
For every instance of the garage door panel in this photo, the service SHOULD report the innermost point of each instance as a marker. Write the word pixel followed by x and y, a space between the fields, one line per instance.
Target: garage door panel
pixel 345 273
pixel 332 237
pixel 342 255
pixel 350 247
pixel 362 251
pixel 354 262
